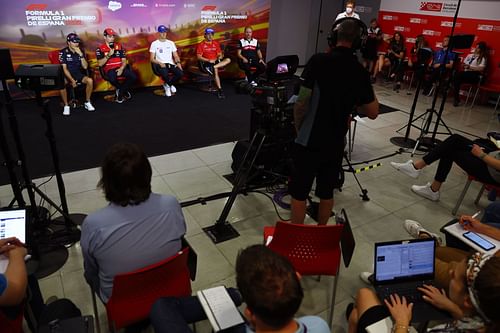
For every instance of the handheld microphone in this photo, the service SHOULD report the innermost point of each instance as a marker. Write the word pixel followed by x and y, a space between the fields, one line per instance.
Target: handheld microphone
pixel 111 45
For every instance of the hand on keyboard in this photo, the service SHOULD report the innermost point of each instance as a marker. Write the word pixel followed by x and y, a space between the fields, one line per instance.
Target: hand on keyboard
pixel 400 309
pixel 437 297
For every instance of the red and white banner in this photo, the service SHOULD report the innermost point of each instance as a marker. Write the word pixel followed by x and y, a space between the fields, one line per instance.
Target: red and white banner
pixel 434 19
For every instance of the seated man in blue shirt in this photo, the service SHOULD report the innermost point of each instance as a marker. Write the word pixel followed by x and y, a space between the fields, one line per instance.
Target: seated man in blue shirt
pixel 440 59
pixel 74 64
pixel 138 228
pixel 269 286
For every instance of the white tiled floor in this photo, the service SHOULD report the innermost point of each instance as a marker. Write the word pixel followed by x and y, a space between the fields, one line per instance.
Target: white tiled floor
pixel 197 173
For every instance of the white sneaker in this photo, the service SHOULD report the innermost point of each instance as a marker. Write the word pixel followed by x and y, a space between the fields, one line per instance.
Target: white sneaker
pixel 426 191
pixel 168 92
pixel 66 110
pixel 415 229
pixel 407 168
pixel 253 84
pixel 89 106
pixel 173 89
pixel 365 277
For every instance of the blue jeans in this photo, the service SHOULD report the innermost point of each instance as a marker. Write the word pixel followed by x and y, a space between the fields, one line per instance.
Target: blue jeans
pixel 174 314
pixel 164 73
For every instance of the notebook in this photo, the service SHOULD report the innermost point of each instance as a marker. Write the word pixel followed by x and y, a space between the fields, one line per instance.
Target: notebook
pixel 401 267
pixel 219 308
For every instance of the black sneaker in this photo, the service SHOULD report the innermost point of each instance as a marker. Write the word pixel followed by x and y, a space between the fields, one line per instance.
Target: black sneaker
pixel 456 103
pixel 220 94
pixel 127 95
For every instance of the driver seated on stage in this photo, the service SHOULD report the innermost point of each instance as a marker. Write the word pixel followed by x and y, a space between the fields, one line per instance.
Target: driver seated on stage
pixel 73 61
pixel 138 228
pixel 250 55
pixel 112 58
pixel 211 59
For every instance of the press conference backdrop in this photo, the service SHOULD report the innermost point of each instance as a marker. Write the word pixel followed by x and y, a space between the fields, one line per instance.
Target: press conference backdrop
pixel 32 29
pixel 434 20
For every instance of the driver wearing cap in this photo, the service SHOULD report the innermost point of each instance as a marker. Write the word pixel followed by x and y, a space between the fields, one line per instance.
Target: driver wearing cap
pixel 211 58
pixel 112 58
pixel 74 65
pixel 164 57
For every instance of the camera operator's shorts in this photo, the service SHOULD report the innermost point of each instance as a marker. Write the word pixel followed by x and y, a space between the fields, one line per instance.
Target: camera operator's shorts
pixel 326 167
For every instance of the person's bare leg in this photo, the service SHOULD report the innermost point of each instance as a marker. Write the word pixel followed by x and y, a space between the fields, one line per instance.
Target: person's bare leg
pixel 365 299
pixel 324 211
pixel 298 208
pixel 223 63
pixel 64 96
pixel 419 164
pixel 216 78
pixel 89 87
pixel 435 186
pixel 353 321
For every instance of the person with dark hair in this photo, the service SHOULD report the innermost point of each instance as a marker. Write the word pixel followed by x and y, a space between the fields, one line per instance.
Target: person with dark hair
pixel 250 55
pixel 369 50
pixel 415 57
pixel 165 58
pixel 138 228
pixel 474 66
pixel 269 286
pixel 333 85
pixel 472 299
pixel 112 58
pixel 211 58
pixel 393 58
pixel 74 63
pixel 472 158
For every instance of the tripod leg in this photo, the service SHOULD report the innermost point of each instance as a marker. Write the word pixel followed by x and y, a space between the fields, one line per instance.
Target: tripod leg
pixel 55 159
pixel 364 192
pixel 9 164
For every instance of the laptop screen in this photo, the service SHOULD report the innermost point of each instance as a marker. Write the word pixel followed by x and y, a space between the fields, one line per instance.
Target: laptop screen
pixel 13 224
pixel 404 260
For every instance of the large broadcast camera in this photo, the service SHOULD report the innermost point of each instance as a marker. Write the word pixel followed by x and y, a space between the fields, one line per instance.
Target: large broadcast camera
pixel 272 100
pixel 272 114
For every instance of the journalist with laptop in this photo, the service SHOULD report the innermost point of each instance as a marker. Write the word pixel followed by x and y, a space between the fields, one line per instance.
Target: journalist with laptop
pixel 472 300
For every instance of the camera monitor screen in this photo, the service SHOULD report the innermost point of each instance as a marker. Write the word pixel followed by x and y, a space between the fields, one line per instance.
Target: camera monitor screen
pixel 282 68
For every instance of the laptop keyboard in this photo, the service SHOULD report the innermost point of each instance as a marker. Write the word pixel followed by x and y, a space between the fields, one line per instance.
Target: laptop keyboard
pixel 410 292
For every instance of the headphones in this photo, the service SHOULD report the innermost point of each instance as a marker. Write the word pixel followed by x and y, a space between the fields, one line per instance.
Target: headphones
pixel 357 42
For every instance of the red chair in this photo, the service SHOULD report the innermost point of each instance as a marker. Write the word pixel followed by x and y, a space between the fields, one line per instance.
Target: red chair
pixel 489 89
pixel 485 186
pixel 135 292
pixel 312 249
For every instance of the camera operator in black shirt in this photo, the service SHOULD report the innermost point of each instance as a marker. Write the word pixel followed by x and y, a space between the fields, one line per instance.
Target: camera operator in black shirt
pixel 333 84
